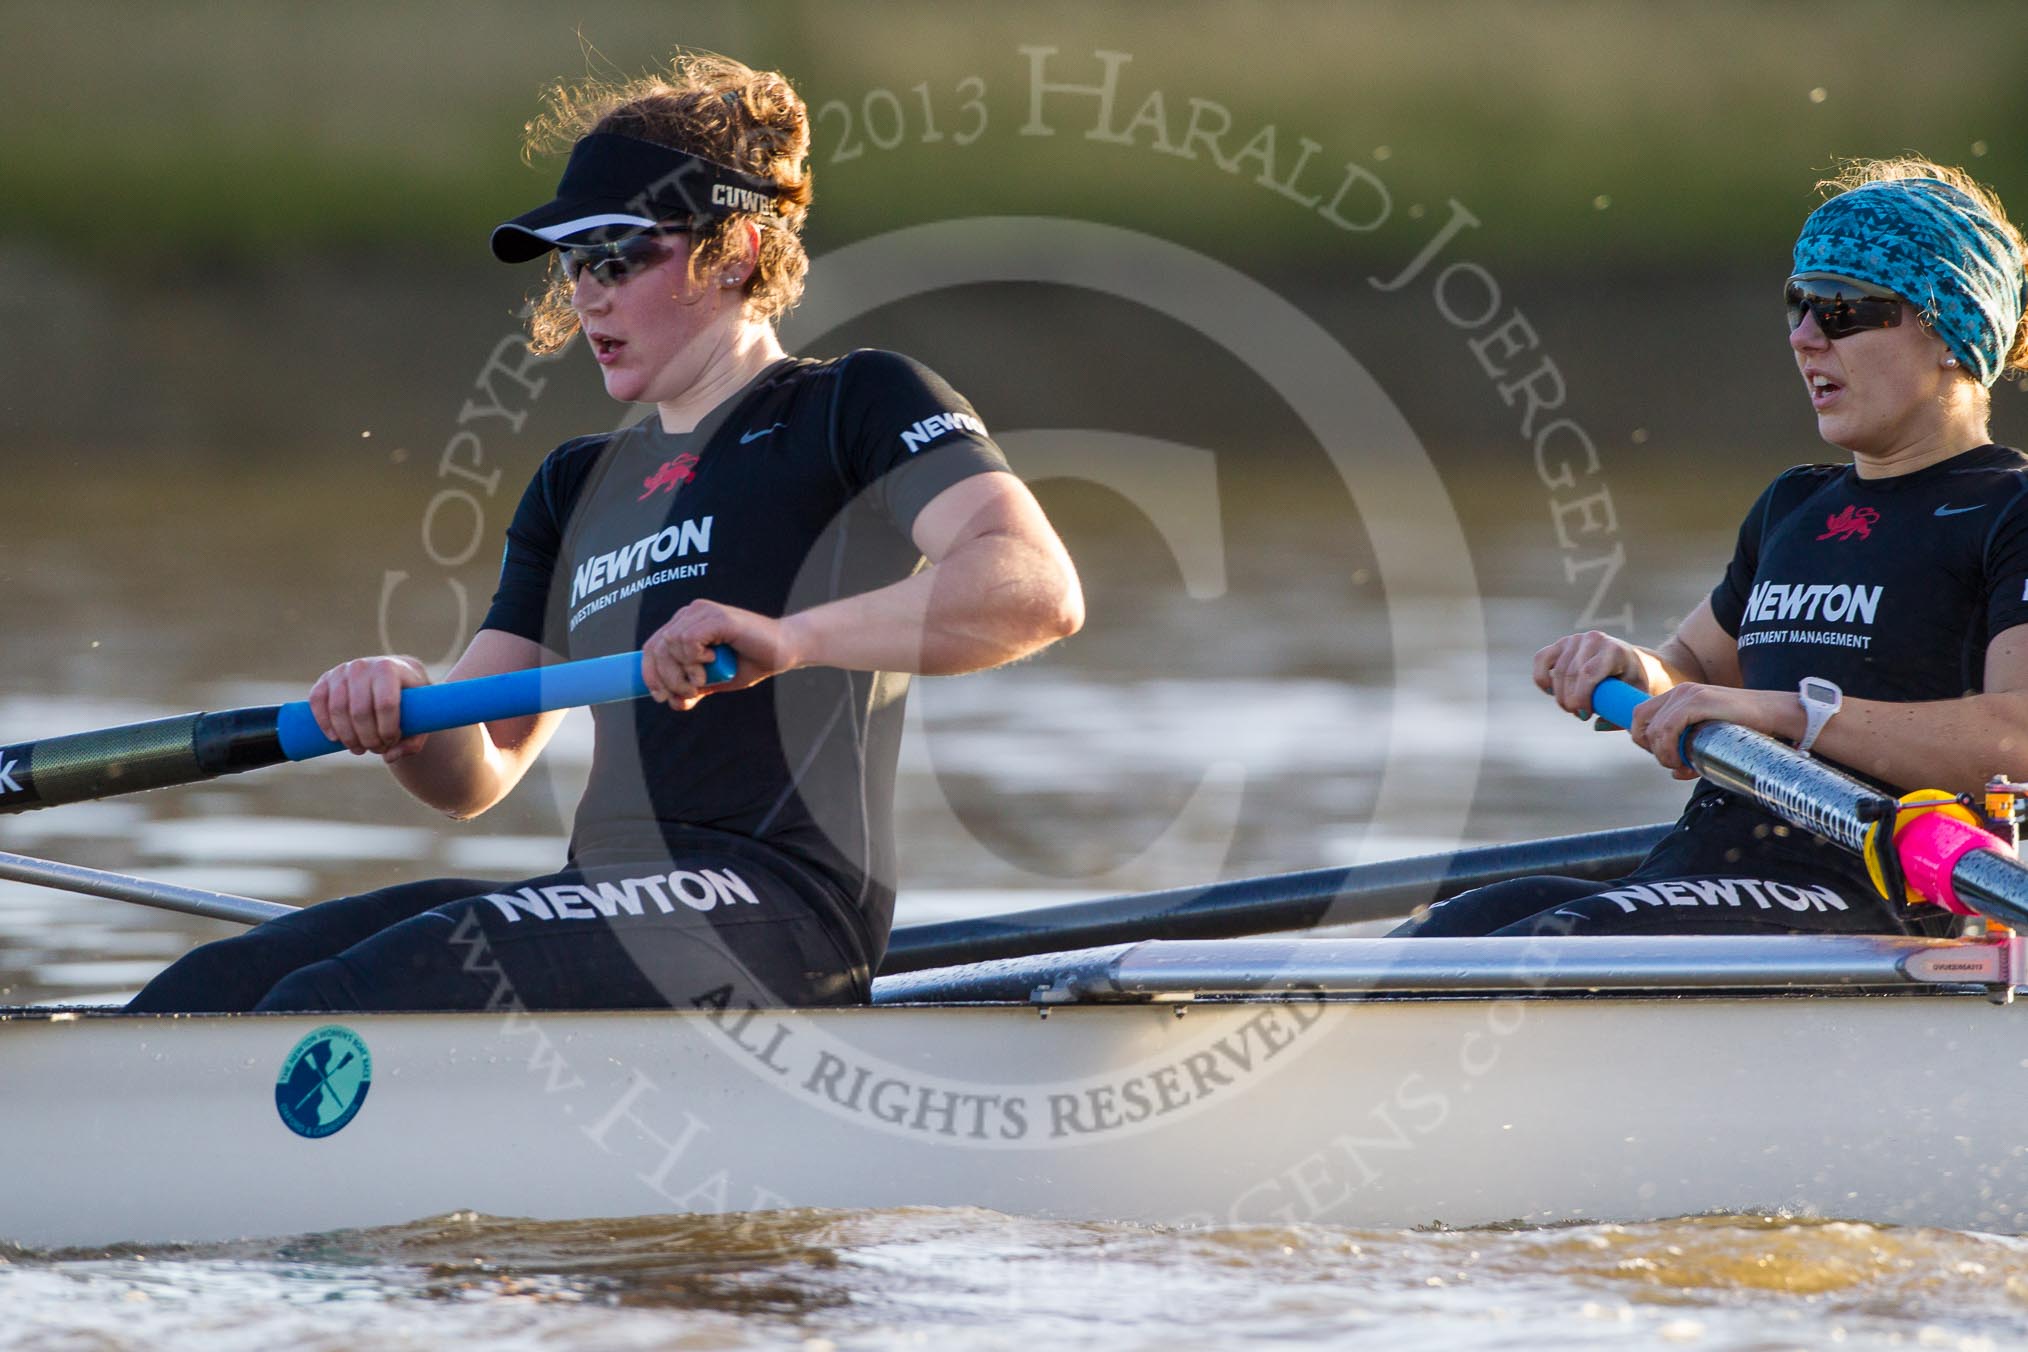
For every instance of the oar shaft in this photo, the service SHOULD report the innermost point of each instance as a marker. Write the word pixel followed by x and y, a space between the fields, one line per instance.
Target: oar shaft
pixel 121 887
pixel 80 767
pixel 1802 789
pixel 1808 793
pixel 1992 884
pixel 83 766
pixel 1288 901
pixel 1799 788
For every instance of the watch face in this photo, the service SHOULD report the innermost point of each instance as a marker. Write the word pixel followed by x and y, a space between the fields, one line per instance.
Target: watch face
pixel 1818 691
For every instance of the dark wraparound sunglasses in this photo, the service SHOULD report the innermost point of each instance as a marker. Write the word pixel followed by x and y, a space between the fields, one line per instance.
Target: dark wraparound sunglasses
pixel 1842 307
pixel 617 262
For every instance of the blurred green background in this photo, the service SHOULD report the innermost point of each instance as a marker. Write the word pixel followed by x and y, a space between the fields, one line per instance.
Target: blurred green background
pixel 252 227
pixel 1648 133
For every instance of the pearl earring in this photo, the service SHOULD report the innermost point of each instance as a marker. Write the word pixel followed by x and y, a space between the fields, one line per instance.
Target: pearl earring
pixel 1951 362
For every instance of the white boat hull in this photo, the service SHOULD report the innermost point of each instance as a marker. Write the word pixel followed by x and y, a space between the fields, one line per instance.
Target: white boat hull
pixel 1369 1113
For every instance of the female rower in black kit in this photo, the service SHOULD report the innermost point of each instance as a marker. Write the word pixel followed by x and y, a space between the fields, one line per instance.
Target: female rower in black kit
pixel 734 841
pixel 1895 585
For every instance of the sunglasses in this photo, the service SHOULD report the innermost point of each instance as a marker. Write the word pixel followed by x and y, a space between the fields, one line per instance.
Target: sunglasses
pixel 1841 306
pixel 615 263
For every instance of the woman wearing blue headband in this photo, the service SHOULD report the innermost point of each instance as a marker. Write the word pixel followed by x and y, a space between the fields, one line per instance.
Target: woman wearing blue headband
pixel 1875 612
pixel 836 524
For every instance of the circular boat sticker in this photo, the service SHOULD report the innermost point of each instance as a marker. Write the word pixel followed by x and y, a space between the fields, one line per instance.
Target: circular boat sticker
pixel 323 1081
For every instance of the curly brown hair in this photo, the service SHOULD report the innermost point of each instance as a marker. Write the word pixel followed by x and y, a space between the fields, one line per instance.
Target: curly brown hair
pixel 1857 173
pixel 715 108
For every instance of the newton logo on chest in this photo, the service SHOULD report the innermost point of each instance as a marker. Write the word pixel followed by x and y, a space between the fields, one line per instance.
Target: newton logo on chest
pixel 672 542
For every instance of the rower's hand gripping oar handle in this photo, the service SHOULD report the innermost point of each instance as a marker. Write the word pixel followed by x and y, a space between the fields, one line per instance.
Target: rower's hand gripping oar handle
pixel 511 694
pixel 1613 701
pixel 1929 839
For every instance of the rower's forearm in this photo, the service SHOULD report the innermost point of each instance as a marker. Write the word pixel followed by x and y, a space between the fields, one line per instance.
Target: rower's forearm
pixel 1672 664
pixel 1944 744
pixel 996 599
pixel 459 772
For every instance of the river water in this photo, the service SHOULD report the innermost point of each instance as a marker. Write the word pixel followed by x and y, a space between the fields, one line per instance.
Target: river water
pixel 1292 700
pixel 961 1278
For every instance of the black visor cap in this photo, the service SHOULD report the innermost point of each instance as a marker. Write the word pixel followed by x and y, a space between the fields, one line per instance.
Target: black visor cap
pixel 614 186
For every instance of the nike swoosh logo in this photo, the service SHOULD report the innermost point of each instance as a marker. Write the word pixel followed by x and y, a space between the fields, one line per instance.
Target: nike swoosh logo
pixel 756 436
pixel 1958 511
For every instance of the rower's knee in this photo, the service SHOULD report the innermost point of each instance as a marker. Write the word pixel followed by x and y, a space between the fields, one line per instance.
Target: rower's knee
pixel 223 977
pixel 320 988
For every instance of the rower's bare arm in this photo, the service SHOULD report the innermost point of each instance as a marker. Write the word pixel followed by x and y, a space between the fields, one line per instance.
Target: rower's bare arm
pixel 1955 744
pixel 999 586
pixel 1699 651
pixel 460 771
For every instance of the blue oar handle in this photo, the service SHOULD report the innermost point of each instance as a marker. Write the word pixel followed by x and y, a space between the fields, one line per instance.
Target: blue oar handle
pixel 511 694
pixel 1613 700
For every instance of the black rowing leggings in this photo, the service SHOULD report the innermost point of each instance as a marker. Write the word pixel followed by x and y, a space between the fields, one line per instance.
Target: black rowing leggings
pixel 1726 868
pixel 1697 904
pixel 644 934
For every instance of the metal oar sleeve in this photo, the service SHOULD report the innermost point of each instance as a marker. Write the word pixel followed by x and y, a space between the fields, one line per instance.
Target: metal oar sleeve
pixel 120 887
pixel 1797 788
pixel 512 694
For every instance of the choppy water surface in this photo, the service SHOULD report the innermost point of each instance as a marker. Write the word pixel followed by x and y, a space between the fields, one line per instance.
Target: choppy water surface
pixel 980 1279
pixel 1182 738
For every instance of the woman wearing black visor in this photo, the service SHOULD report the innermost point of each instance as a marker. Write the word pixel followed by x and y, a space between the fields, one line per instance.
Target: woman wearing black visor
pixel 835 524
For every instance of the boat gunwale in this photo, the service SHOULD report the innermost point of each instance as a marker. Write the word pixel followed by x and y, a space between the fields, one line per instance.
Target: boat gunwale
pixel 22 1015
pixel 1183 973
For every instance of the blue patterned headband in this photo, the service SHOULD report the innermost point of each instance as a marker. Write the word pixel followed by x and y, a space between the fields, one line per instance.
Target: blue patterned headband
pixel 1934 247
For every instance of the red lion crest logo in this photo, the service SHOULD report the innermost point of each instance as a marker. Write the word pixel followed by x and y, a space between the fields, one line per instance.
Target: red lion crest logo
pixel 681 470
pixel 1849 523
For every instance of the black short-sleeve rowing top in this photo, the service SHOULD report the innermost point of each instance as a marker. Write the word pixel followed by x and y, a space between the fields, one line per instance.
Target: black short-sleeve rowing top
pixel 799 490
pixel 1893 588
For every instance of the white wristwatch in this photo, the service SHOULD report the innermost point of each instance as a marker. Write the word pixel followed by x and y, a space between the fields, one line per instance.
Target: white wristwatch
pixel 1821 699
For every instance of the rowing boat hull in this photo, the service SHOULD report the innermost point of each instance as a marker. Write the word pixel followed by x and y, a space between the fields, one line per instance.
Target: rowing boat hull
pixel 1374 1113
